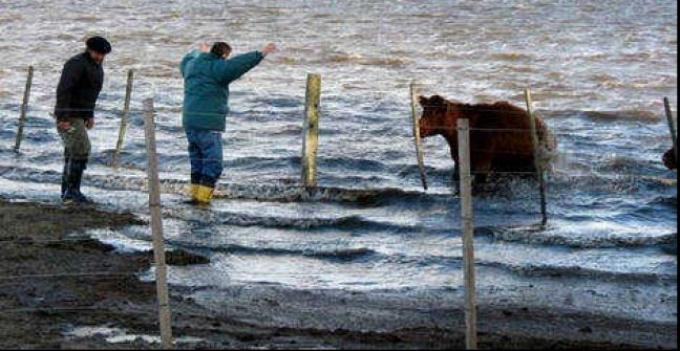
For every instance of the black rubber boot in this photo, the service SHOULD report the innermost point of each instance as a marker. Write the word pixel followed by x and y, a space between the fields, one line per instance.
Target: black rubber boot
pixel 80 167
pixel 64 177
pixel 68 195
pixel 75 176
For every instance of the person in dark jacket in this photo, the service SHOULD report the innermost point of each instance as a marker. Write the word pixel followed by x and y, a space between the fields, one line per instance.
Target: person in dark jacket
pixel 207 74
pixel 81 81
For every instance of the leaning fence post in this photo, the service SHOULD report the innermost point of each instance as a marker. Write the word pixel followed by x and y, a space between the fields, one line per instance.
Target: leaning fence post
pixel 157 226
pixel 468 233
pixel 123 119
pixel 24 108
pixel 310 140
pixel 537 162
pixel 671 126
pixel 416 135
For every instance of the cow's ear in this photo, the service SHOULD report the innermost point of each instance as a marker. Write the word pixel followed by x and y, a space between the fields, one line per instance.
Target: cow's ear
pixel 422 100
pixel 437 101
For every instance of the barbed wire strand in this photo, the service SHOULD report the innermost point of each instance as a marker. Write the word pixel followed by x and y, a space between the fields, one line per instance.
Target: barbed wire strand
pixel 462 107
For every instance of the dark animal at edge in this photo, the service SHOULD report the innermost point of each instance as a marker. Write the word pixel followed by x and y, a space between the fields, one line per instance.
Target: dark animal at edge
pixel 669 159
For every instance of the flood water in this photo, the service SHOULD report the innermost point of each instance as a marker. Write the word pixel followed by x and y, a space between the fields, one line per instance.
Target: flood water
pixel 598 71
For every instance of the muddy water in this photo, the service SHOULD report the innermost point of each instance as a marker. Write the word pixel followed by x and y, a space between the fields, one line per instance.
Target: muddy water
pixel 598 71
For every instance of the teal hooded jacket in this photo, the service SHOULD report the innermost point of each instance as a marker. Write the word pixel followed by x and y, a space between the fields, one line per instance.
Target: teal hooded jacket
pixel 206 87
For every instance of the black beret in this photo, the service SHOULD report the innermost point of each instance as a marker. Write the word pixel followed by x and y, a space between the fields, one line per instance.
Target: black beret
pixel 99 44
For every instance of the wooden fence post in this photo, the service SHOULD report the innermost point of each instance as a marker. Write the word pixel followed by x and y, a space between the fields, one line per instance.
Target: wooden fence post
pixel 416 135
pixel 24 108
pixel 123 120
pixel 157 226
pixel 468 233
pixel 310 140
pixel 537 162
pixel 671 126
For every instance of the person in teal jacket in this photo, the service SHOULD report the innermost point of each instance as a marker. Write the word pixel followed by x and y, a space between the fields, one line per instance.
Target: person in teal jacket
pixel 207 74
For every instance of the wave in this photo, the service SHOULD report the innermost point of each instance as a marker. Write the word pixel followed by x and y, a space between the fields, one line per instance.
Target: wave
pixel 580 272
pixel 293 192
pixel 412 171
pixel 281 190
pixel 537 270
pixel 280 101
pixel 338 254
pixel 531 235
pixel 286 130
pixel 348 223
pixel 168 161
pixel 608 82
pixel 353 254
pixel 456 262
pixel 604 115
pixel 341 57
pixel 651 170
pixel 618 164
pixel 260 162
pixel 352 58
pixel 598 183
pixel 623 115
pixel 290 190
pixel 352 163
pixel 511 56
pixel 667 201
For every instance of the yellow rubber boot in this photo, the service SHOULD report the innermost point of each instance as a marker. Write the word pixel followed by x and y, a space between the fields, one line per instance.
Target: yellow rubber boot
pixel 204 194
pixel 192 190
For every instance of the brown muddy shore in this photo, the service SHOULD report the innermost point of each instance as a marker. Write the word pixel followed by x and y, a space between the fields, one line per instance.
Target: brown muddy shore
pixel 51 283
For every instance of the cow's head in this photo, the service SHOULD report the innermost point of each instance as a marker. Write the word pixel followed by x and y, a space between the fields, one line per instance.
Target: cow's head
pixel 435 119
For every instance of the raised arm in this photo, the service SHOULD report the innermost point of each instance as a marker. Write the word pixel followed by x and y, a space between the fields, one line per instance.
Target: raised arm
pixel 235 67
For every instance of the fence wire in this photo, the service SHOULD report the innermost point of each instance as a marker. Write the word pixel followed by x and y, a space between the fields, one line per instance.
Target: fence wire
pixel 192 240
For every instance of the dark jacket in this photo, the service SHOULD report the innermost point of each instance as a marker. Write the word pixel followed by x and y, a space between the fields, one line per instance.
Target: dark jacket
pixel 206 87
pixel 79 86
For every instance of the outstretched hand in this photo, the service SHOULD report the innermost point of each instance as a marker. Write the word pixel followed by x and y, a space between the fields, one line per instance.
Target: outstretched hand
pixel 204 47
pixel 271 47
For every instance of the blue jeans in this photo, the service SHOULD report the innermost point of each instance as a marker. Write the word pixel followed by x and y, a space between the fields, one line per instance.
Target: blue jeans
pixel 205 152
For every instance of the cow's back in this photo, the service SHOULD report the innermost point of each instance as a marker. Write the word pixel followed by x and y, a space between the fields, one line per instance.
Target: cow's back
pixel 501 134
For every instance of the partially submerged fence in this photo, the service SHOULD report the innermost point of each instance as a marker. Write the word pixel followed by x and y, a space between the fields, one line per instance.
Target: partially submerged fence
pixel 465 188
pixel 308 181
pixel 157 226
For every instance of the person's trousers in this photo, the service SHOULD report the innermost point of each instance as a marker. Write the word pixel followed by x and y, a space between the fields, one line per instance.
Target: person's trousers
pixel 76 153
pixel 205 153
pixel 76 142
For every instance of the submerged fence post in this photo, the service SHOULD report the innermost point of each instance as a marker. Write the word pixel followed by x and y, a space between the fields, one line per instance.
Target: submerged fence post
pixel 416 135
pixel 537 162
pixel 671 126
pixel 24 108
pixel 468 233
pixel 157 226
pixel 310 137
pixel 123 119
